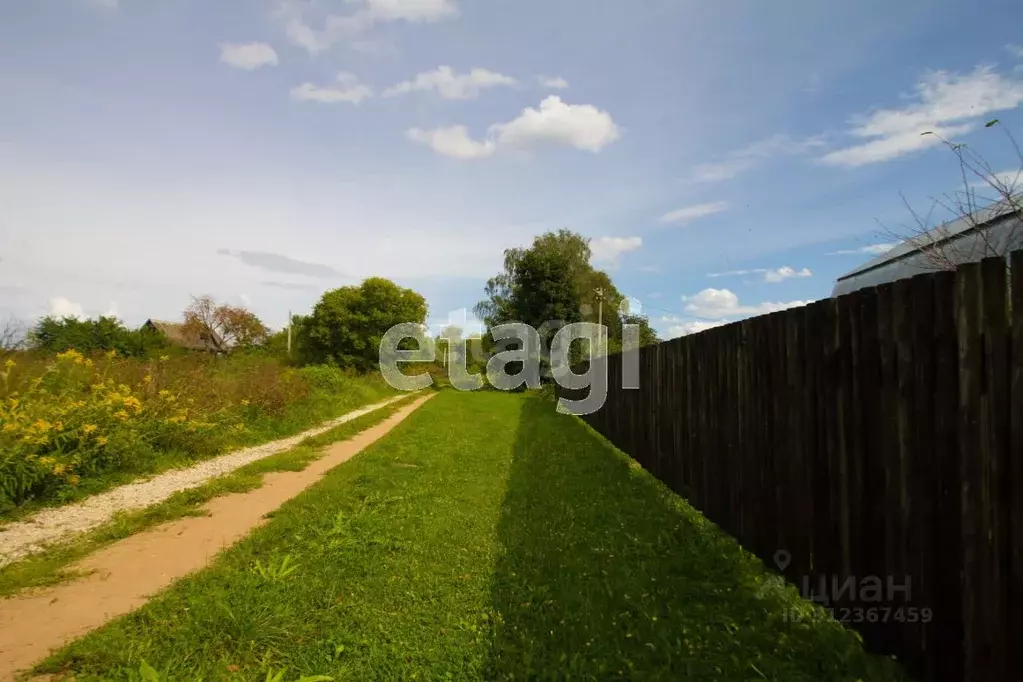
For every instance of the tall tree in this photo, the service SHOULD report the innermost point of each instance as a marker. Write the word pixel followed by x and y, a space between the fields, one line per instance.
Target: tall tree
pixel 553 281
pixel 223 326
pixel 347 324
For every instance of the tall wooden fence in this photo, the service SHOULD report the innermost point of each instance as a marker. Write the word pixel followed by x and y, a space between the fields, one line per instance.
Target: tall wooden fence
pixel 875 441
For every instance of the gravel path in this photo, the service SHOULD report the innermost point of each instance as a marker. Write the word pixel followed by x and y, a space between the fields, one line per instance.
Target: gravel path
pixel 20 539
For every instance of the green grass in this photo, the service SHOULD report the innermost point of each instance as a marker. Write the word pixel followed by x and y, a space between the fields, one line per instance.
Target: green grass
pixel 320 405
pixel 50 567
pixel 486 538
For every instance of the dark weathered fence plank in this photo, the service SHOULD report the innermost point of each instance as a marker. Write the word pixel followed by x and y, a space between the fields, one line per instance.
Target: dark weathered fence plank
pixel 1015 471
pixel 878 439
pixel 946 606
pixel 973 456
pixel 995 430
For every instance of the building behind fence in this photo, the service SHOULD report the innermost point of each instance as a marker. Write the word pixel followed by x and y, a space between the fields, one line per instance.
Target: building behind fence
pixel 874 440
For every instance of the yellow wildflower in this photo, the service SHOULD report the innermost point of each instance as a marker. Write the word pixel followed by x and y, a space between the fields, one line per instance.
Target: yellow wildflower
pixel 88 362
pixel 163 393
pixel 121 414
pixel 245 403
pixel 47 461
pixel 71 354
pixel 88 428
pixel 112 354
pixel 133 403
pixel 148 378
pixel 58 469
pixel 164 358
pixel 40 425
pixel 10 363
pixel 102 440
pixel 73 479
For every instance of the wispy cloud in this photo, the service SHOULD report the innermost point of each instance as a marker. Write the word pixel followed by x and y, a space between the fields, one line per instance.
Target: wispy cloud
pixel 451 85
pixel 742 160
pixel 348 89
pixel 870 250
pixel 552 82
pixel 291 286
pixel 275 262
pixel 771 275
pixel 947 105
pixel 248 56
pixel 688 213
pixel 366 14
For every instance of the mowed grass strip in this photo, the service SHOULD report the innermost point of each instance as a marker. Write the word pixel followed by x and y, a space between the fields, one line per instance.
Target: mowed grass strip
pixel 486 538
pixel 393 553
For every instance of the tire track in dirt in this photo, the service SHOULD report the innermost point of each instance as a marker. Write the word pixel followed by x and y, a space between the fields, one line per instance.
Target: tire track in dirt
pixel 126 574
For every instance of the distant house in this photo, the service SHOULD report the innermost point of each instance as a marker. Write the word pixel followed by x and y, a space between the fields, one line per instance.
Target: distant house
pixel 995 230
pixel 176 334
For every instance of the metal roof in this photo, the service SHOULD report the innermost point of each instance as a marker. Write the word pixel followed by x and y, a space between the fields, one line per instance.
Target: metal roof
pixel 942 233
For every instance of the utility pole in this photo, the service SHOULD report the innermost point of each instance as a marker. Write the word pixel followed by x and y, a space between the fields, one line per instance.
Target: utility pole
pixel 600 317
pixel 289 333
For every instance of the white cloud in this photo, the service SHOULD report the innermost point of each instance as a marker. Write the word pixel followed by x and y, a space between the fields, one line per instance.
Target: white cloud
pixel 411 10
pixel 771 275
pixel 248 56
pixel 871 249
pixel 112 310
pixel 693 327
pixel 785 272
pixel 62 307
pixel 947 105
pixel 552 82
pixel 1015 50
pixel 721 170
pixel 582 126
pixel 348 89
pixel 453 141
pixel 608 250
pixel 742 160
pixel 1005 181
pixel 367 13
pixel 687 213
pixel 451 85
pixel 721 303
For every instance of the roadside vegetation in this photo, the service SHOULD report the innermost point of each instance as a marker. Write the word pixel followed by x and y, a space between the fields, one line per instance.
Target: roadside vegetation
pixel 51 566
pixel 487 537
pixel 72 425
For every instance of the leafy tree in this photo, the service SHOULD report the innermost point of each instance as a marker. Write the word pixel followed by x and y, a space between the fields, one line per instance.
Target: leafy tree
pixel 347 324
pixel 56 335
pixel 553 281
pixel 222 326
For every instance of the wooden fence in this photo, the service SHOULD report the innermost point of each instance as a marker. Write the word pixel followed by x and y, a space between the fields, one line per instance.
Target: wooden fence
pixel 877 439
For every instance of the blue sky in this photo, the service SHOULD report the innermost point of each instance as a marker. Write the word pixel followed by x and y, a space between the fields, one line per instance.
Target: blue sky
pixel 719 154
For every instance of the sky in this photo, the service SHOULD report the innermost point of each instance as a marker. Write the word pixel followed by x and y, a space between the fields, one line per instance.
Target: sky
pixel 726 158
